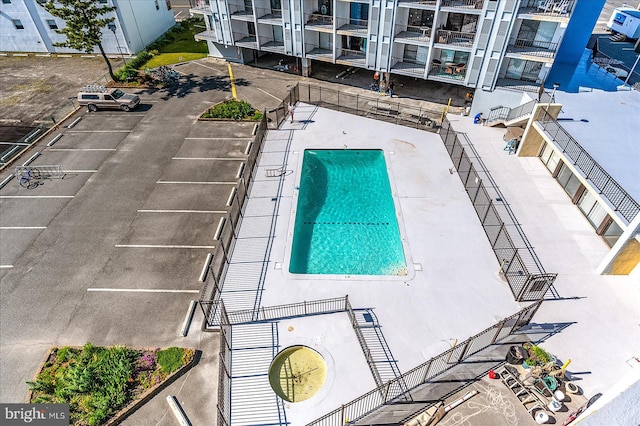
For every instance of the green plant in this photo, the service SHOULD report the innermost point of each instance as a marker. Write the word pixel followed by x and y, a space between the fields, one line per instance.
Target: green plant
pixel 537 356
pixel 231 108
pixel 170 359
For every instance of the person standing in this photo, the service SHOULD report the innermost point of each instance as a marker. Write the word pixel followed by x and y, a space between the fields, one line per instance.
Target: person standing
pixel 392 85
pixel 291 108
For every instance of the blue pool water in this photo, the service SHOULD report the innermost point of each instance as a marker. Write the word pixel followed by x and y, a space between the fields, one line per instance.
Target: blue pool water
pixel 346 220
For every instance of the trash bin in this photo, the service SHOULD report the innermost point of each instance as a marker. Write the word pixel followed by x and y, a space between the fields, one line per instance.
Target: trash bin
pixel 516 355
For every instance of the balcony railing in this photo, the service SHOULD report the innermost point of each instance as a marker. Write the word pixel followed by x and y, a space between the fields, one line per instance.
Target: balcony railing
pixel 449 70
pixel 464 4
pixel 621 201
pixel 208 35
pixel 455 38
pixel 320 53
pixel 245 40
pixel 269 15
pixel 543 49
pixel 276 46
pixel 352 57
pixel 412 33
pixel 552 8
pixel 318 20
pixel 419 2
pixel 408 66
pixel 352 26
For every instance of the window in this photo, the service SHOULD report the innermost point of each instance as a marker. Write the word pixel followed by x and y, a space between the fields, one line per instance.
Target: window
pixel 549 157
pixel 168 4
pixel 157 5
pixel 52 24
pixel 590 207
pixel 91 97
pixel 6 1
pixel 612 233
pixel 103 1
pixel 112 27
pixel 18 24
pixel 568 181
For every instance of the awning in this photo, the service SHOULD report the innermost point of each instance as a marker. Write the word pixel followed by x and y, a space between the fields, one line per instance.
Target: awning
pixel 513 133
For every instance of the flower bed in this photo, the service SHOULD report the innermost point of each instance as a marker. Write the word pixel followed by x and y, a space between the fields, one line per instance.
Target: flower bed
pixel 232 109
pixel 99 383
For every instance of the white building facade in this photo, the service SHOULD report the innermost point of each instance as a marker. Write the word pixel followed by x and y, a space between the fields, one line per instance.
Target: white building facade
pixel 472 43
pixel 25 26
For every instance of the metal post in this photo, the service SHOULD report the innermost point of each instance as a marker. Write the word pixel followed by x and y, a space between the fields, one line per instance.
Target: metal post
pixel 626 81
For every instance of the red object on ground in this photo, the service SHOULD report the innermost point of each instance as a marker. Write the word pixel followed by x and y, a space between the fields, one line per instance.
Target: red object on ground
pixel 492 374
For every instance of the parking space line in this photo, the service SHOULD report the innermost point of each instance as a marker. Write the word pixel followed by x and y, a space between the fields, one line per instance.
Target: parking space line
pixel 7 228
pixel 209 138
pixel 36 196
pixel 195 183
pixel 209 158
pixel 184 211
pixel 97 131
pixel 6 266
pixel 140 290
pixel 162 246
pixel 267 93
pixel 116 115
pixel 82 149
pixel 79 171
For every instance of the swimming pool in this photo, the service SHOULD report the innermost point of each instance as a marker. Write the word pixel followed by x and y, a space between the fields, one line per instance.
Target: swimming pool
pixel 345 217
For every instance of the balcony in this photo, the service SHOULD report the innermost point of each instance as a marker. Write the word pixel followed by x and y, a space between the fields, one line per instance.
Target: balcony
pixel 409 34
pixel 275 46
pixel 202 7
pixel 245 40
pixel 352 57
pixel 532 48
pixel 208 35
pixel 448 70
pixel 269 16
pixel 239 13
pixel 418 4
pixel 408 66
pixel 352 27
pixel 455 38
pixel 319 53
pixel 463 4
pixel 543 9
pixel 318 22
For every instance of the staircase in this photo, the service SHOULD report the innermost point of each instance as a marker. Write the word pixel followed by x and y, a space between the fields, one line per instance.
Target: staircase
pixel 506 116
pixel 381 355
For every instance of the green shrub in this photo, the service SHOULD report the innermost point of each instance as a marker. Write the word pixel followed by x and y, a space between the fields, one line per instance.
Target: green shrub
pixel 231 108
pixel 170 359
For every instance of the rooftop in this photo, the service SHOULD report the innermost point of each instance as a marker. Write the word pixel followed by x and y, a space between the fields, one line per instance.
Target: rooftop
pixel 604 124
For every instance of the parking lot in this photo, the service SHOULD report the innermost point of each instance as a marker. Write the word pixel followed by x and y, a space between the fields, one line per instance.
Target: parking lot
pixel 111 250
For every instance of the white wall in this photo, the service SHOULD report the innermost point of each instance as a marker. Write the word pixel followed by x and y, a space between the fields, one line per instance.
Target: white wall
pixel 142 22
pixel 138 23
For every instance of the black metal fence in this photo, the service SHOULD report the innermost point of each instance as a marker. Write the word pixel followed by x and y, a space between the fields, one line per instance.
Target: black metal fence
pixel 224 370
pixel 619 198
pixel 422 374
pixel 372 106
pixel 210 293
pixel 527 279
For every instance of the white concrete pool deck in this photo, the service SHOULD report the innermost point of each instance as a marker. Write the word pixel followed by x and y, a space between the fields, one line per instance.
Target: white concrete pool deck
pixel 453 289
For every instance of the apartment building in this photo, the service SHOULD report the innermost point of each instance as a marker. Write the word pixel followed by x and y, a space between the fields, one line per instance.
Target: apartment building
pixel 471 43
pixel 25 26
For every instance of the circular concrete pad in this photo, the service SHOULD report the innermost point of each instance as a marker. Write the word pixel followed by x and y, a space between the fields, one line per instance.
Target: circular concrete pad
pixel 297 373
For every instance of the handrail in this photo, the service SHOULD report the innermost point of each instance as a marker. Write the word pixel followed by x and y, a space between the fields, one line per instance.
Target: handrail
pixel 607 185
pixel 454 37
pixel 423 373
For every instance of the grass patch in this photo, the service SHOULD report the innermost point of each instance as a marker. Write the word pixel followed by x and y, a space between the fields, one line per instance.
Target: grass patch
pixel 173 58
pixel 97 382
pixel 233 109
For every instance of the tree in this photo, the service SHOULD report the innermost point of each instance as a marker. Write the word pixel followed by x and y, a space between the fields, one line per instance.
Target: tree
pixel 83 25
